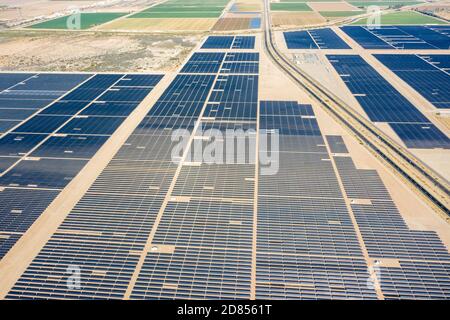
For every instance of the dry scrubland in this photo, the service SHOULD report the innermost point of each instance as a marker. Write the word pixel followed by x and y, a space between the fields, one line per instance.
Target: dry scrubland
pixel 42 51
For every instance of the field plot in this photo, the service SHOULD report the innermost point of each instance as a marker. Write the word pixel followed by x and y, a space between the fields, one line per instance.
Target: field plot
pixel 404 18
pixel 232 24
pixel 332 6
pixel 184 9
pixel 340 14
pixel 161 24
pixel 291 6
pixel 87 20
pixel 246 6
pixel 363 4
pixel 285 19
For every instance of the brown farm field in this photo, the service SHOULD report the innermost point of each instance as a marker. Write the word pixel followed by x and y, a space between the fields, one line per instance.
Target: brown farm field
pixel 332 6
pixel 284 19
pixel 225 24
pixel 161 24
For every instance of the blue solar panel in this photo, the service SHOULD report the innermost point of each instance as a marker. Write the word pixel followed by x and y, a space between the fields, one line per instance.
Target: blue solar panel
pixel 312 39
pixel 44 173
pixel 299 40
pixel 240 67
pixel 125 94
pixel 13 144
pixel 92 88
pixel 235 88
pixel 64 108
pixel 441 61
pixel 179 108
pixel 399 37
pixel 139 80
pixel 52 82
pixel 421 135
pixel 430 81
pixel 21 207
pixel 23 103
pixel 188 88
pixel 42 124
pixel 92 125
pixel 383 103
pixel 242 56
pixel 76 146
pixel 6 162
pixel 15 114
pixel 8 80
pixel 218 42
pixel 243 42
pixel 327 39
pixel 231 111
pixel 110 109
pixel 5 125
pixel 212 57
pixel 201 67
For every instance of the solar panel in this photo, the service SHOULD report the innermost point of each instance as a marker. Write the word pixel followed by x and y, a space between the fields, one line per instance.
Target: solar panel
pixel 383 103
pixel 426 78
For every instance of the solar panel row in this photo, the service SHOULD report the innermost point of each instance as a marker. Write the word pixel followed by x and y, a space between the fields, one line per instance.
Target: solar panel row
pixel 236 63
pixel 116 215
pixel 324 38
pixel 48 149
pixel 400 37
pixel 426 78
pixel 229 42
pixel 420 262
pixel 206 227
pixel 383 103
pixel 307 245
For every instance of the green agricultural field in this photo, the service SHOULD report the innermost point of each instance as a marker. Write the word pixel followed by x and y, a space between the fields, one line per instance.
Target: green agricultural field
pixel 184 9
pixel 291 6
pixel 171 8
pixel 87 20
pixel 402 18
pixel 311 0
pixel 333 14
pixel 207 14
pixel 363 4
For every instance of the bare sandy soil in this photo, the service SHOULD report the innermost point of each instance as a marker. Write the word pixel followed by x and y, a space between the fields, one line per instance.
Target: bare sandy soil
pixel 65 51
pixel 17 12
pixel 441 10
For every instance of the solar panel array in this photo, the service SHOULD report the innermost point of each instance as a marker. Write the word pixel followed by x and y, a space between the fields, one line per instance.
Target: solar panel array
pixel 324 38
pixel 194 237
pixel 226 63
pixel 414 264
pixel 307 246
pixel 426 77
pixel 400 37
pixel 229 42
pixel 43 152
pixel 383 103
pixel 157 225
